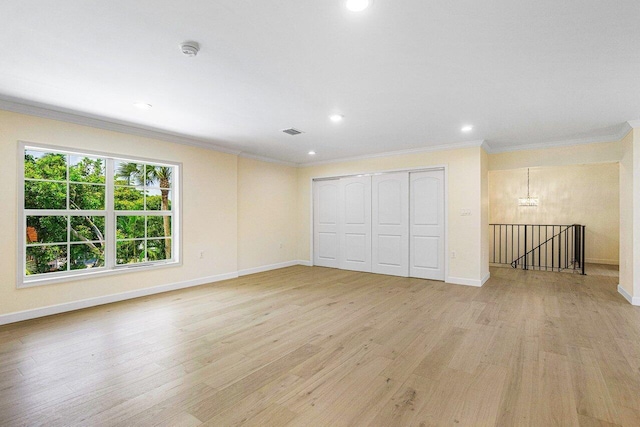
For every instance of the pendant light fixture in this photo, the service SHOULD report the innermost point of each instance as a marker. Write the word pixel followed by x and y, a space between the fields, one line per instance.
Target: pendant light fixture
pixel 528 201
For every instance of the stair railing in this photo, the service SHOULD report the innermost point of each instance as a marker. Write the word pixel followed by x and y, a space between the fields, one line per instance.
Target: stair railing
pixel 549 247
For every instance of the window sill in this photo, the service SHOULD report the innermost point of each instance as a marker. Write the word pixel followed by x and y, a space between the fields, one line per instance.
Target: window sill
pixel 25 282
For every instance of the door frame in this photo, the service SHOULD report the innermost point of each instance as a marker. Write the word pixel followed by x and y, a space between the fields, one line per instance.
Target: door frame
pixel 443 167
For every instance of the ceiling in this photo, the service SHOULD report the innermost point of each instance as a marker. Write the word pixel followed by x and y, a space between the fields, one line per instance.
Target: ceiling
pixel 406 75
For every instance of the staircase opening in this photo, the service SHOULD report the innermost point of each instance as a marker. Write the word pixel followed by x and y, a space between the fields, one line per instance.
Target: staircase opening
pixel 555 218
pixel 545 247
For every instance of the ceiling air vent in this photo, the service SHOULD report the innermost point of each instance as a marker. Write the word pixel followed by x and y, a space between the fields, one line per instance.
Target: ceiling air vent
pixel 292 131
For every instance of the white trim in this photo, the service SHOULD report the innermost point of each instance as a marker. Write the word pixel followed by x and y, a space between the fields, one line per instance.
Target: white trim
pixel 602 261
pixel 107 299
pixel 311 218
pixel 467 282
pixel 72 276
pixel 447 262
pixel 486 147
pixel 109 213
pixel 305 263
pixel 85 119
pixel 634 123
pixel 632 300
pixel 48 111
pixel 264 268
pixel 352 174
pixel 616 137
pixel 485 278
pixel 267 159
pixel 442 147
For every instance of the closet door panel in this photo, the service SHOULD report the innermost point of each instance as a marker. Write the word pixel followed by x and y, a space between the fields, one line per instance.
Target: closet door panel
pixel 326 242
pixel 355 223
pixel 390 227
pixel 426 227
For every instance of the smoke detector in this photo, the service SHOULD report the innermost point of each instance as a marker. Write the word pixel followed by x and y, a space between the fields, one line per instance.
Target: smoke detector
pixel 190 48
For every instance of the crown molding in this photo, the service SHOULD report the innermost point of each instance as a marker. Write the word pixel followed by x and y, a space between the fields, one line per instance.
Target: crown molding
pixel 634 123
pixel 78 118
pixel 486 147
pixel 442 147
pixel 268 159
pixel 46 111
pixel 615 137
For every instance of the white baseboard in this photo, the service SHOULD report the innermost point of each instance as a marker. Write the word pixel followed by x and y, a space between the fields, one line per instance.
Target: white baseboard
pixel 92 302
pixel 264 268
pixel 466 282
pixel 602 261
pixel 632 300
pixel 485 278
pixel 304 262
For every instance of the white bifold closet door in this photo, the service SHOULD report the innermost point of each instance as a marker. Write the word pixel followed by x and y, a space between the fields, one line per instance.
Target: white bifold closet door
pixel 390 224
pixel 426 225
pixel 326 241
pixel 355 223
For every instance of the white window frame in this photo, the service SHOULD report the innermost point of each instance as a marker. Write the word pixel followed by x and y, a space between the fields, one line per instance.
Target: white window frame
pixel 110 267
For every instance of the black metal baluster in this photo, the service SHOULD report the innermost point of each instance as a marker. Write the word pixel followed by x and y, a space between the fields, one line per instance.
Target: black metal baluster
pixel 539 251
pixel 559 250
pixel 494 243
pixel 512 243
pixel 582 257
pixel 546 249
pixel 553 249
pixel 566 246
pixel 525 247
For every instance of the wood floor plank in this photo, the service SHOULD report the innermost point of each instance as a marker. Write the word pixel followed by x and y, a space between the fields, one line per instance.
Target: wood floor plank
pixel 318 346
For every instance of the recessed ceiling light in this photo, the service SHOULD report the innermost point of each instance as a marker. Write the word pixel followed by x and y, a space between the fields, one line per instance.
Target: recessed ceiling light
pixel 336 117
pixel 467 128
pixel 312 153
pixel 358 5
pixel 142 105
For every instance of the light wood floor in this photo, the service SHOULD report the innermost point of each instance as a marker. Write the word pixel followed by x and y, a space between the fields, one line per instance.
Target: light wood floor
pixel 316 346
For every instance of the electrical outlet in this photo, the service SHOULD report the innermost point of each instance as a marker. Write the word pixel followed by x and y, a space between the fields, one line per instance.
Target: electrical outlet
pixel 201 254
pixel 281 245
pixel 465 212
pixel 453 254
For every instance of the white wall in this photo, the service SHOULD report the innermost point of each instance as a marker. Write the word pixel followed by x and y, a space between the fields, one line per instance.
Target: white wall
pixel 573 194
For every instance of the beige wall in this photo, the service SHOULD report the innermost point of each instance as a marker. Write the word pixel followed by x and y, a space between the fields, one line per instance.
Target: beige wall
pixel 573 194
pixel 463 178
pixel 238 211
pixel 209 214
pixel 267 195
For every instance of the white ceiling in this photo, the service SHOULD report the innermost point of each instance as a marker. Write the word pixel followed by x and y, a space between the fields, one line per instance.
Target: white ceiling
pixel 405 74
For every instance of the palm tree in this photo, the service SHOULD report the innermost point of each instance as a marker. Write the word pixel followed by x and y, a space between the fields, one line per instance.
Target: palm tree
pixel 137 174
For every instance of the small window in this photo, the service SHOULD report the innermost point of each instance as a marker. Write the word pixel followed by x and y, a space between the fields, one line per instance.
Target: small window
pixel 91 213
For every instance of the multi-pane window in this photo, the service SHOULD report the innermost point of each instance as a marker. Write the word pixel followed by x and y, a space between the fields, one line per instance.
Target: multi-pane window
pixel 142 200
pixel 95 213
